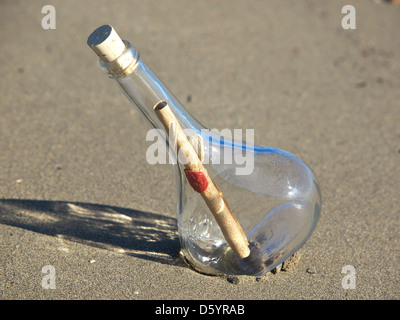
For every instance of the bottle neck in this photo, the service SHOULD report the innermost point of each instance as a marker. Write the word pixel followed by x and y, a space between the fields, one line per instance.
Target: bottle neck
pixel 144 89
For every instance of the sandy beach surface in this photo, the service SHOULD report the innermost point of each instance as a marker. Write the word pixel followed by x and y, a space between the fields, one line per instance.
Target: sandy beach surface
pixel 76 191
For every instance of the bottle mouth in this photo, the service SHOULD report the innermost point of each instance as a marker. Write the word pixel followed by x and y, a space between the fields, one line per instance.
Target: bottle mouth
pixel 124 65
pixel 106 43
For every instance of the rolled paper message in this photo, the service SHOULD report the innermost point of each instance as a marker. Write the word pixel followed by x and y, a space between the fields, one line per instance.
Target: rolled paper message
pixel 201 182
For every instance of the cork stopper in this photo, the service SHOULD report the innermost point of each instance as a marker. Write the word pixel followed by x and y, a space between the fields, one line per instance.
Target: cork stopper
pixel 106 43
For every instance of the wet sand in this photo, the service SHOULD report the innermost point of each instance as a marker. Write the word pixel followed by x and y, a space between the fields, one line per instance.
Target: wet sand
pixel 76 192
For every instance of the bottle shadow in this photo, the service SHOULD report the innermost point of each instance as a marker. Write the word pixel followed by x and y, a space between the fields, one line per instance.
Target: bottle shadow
pixel 132 232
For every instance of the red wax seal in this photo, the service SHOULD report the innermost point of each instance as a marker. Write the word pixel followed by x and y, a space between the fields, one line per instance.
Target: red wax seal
pixel 197 180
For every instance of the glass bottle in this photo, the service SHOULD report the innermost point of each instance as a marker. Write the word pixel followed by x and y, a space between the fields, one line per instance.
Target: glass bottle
pixel 276 200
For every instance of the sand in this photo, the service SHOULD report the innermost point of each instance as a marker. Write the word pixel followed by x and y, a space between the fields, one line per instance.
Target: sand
pixel 76 192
